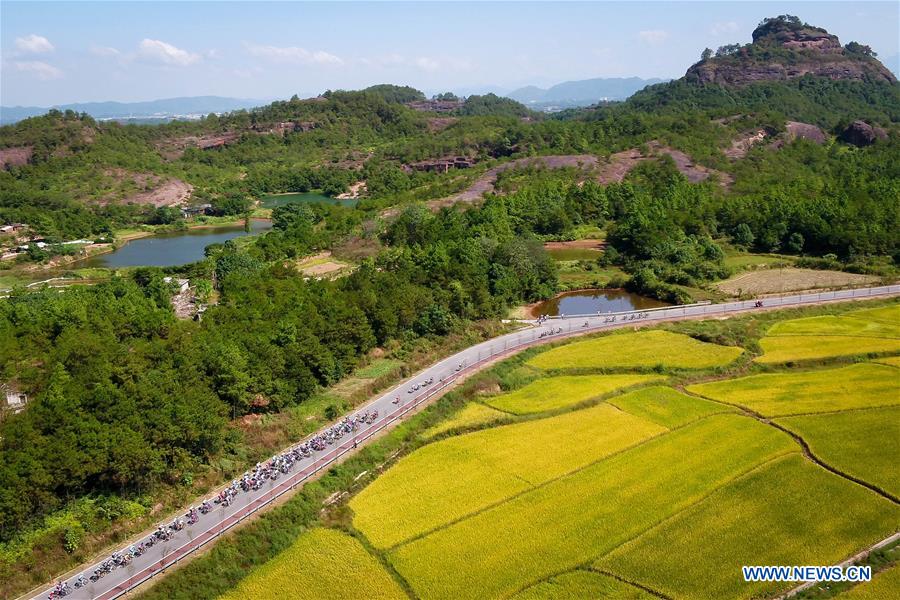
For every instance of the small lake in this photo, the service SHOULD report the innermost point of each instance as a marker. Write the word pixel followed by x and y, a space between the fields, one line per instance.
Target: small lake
pixel 273 200
pixel 593 301
pixel 171 249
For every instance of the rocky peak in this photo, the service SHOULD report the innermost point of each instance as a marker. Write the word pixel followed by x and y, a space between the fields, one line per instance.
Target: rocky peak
pixel 784 48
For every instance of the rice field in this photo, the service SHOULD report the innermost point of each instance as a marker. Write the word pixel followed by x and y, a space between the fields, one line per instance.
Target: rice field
pixel 452 478
pixel 323 564
pixel 850 324
pixel 884 586
pixel 782 514
pixel 893 361
pixel 580 584
pixel 635 350
pixel 786 348
pixel 889 314
pixel 666 406
pixel 471 415
pixel 560 392
pixel 577 518
pixel 862 443
pixel 862 385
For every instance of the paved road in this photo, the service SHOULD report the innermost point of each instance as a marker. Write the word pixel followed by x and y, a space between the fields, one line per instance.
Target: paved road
pixel 444 373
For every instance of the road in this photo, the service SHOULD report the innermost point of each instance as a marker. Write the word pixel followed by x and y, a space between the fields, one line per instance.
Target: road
pixel 390 410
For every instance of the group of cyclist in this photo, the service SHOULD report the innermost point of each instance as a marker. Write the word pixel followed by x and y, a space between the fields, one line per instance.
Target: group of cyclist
pixel 251 480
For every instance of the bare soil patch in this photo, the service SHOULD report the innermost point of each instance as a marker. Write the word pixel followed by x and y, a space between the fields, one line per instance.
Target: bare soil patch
pixel 741 146
pixel 777 281
pixel 436 124
pixel 621 163
pixel 322 265
pixel 15 157
pixel 583 244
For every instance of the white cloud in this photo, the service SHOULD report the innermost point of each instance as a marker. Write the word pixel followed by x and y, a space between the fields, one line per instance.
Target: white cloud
pixel 34 44
pixel 167 54
pixel 722 28
pixel 654 37
pixel 39 69
pixel 293 54
pixel 427 64
pixel 104 51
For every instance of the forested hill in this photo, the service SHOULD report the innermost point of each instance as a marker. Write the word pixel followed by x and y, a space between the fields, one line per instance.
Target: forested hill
pixel 790 66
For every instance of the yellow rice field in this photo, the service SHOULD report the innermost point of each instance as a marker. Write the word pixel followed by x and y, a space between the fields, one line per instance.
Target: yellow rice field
pixel 451 478
pixel 578 585
pixel 323 564
pixel 861 385
pixel 785 513
pixel 893 361
pixel 862 443
pixel 884 586
pixel 852 325
pixel 574 519
pixel 637 349
pixel 666 406
pixel 786 348
pixel 472 415
pixel 561 392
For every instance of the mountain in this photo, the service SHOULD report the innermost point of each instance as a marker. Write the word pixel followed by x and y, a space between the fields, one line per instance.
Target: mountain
pixel 581 93
pixel 165 109
pixel 785 48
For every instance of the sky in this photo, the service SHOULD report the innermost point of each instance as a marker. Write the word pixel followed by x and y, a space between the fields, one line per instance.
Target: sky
pixel 63 52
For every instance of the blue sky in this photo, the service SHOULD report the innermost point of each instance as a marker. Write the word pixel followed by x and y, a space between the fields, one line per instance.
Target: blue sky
pixel 60 52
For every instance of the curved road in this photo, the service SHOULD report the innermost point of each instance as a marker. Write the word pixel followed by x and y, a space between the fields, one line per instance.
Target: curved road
pixel 444 373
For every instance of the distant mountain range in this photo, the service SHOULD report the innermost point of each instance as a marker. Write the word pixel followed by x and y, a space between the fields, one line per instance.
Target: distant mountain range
pixel 153 110
pixel 580 93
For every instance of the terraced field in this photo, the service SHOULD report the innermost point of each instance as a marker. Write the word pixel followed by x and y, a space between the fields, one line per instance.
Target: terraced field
pixel 320 566
pixel 863 385
pixel 560 392
pixel 867 331
pixel 669 487
pixel 773 517
pixel 640 349
pixel 884 586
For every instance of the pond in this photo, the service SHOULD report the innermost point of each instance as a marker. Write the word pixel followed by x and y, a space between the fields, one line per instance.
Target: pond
pixel 170 249
pixel 273 200
pixel 585 302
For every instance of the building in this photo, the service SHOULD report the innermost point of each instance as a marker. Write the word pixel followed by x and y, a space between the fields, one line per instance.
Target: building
pixel 14 399
pixel 193 211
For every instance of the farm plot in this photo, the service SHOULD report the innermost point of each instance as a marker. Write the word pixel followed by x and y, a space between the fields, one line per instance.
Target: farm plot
pixel 863 443
pixel 322 564
pixel 666 406
pixel 579 584
pixel 851 324
pixel 893 361
pixel 451 478
pixel 560 392
pixel 888 314
pixel 779 281
pixel 862 385
pixel 635 350
pixel 471 415
pixel 884 586
pixel 574 519
pixel 785 513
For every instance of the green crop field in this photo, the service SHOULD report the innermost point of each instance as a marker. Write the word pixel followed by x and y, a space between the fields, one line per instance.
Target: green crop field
pixel 559 392
pixel 452 478
pixel 862 443
pixel 780 394
pixel 639 349
pixel 785 348
pixel 782 514
pixel 888 314
pixel 577 518
pixel 471 415
pixel 666 406
pixel 884 586
pixel 322 564
pixel 577 585
pixel 852 324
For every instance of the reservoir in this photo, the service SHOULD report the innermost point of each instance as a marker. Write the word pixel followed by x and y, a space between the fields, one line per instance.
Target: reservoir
pixel 585 302
pixel 273 200
pixel 171 249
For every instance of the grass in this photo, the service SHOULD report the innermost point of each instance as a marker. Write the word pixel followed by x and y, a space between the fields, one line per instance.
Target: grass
pixel 472 415
pixel 452 478
pixel 569 254
pixel 863 443
pixel 574 519
pixel 321 564
pixel 665 406
pixel 378 368
pixel 862 385
pixel 790 512
pixel 831 325
pixel 884 586
pixel 639 349
pixel 560 392
pixel 580 584
pixel 743 260
pixel 788 348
